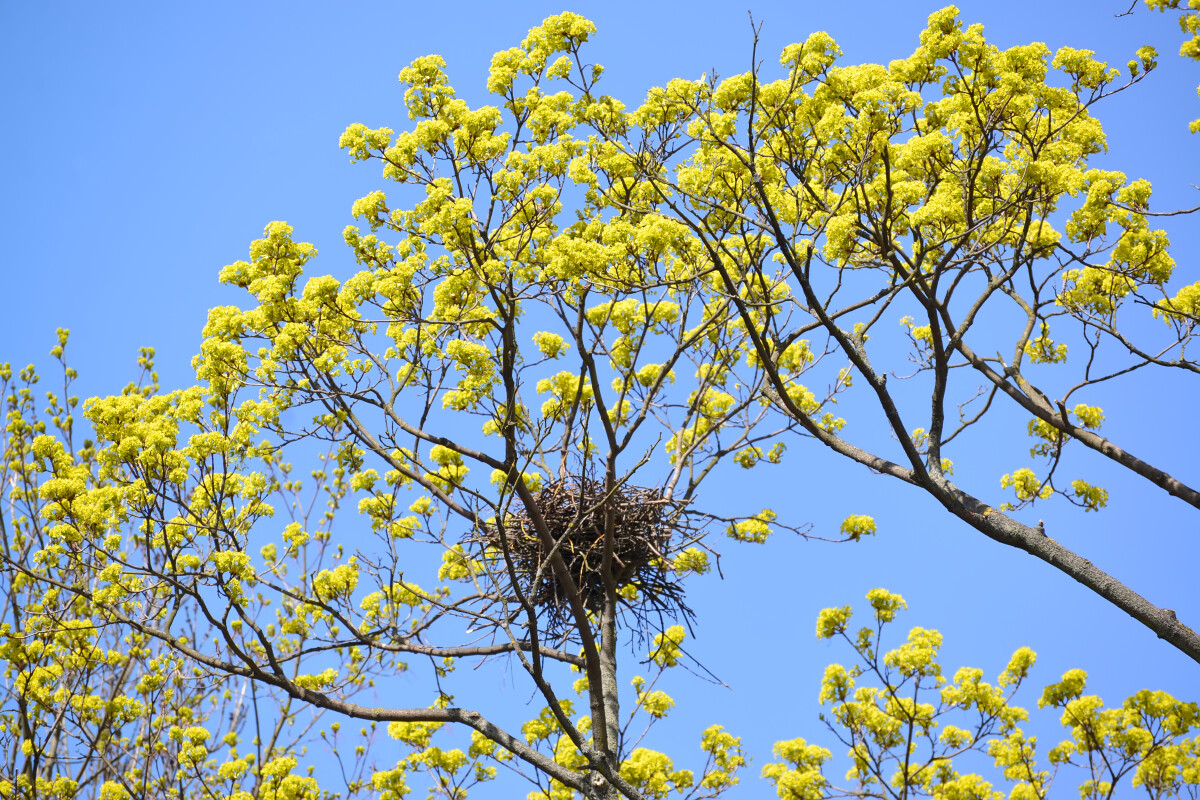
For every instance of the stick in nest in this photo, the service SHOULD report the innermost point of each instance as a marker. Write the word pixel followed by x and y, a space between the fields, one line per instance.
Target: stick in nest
pixel 644 526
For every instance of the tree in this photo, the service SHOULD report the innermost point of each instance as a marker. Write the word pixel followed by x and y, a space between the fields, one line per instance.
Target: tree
pixel 86 701
pixel 691 268
pixel 1189 23
pixel 907 736
pixel 927 193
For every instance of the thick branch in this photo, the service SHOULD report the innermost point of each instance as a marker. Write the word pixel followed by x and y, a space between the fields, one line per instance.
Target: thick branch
pixel 1006 530
pixel 1040 407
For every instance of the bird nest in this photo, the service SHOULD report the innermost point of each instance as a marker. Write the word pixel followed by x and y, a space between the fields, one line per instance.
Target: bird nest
pixel 644 524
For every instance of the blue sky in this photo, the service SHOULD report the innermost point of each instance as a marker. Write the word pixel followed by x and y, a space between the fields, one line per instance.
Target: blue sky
pixel 148 144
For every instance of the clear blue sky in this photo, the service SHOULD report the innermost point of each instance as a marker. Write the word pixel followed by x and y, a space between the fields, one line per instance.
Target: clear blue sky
pixel 147 144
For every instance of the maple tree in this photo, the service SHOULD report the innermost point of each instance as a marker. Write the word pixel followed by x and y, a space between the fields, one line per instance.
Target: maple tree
pixel 565 319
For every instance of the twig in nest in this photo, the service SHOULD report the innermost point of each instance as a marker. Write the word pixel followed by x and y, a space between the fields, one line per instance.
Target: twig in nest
pixel 645 526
